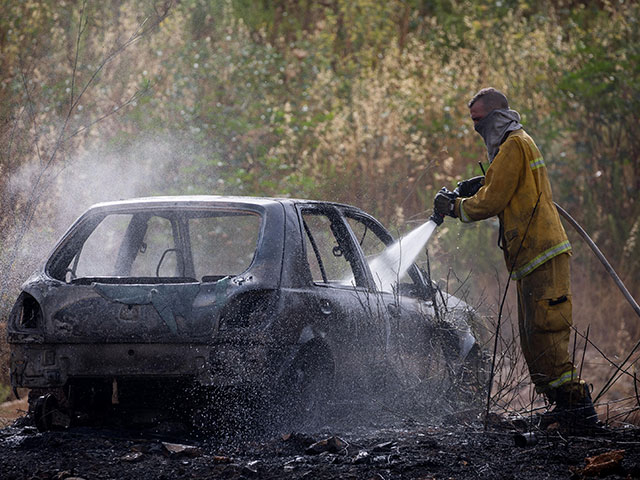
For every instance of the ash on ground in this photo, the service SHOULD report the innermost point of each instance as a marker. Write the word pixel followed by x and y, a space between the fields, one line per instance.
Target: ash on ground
pixel 363 445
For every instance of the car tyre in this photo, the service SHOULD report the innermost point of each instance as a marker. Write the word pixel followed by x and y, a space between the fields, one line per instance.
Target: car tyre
pixel 305 390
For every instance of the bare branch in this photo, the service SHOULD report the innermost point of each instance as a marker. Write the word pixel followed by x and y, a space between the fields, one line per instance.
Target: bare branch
pixel 504 298
pixel 138 94
pixel 584 350
pixel 34 196
pixel 33 119
pixel 12 136
pixel 81 29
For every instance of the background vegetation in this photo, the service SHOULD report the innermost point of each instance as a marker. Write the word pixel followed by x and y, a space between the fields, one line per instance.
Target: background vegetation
pixel 355 101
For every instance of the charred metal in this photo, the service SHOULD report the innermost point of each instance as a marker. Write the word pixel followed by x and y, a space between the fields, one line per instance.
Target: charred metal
pixel 174 294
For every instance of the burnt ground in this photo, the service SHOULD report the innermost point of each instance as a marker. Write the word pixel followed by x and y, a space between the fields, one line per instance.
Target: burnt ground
pixel 374 449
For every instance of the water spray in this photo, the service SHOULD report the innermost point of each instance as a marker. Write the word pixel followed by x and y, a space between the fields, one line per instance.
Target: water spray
pixel 391 265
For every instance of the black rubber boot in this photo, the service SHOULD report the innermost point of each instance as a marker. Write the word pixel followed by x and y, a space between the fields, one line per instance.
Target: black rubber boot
pixel 573 411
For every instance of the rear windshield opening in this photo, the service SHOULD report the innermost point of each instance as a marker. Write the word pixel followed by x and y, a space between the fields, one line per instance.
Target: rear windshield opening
pixel 164 247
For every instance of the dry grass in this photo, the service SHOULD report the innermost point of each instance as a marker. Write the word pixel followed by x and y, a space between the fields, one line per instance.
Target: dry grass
pixel 10 411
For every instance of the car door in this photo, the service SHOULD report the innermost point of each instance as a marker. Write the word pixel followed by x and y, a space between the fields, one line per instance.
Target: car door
pixel 413 347
pixel 338 305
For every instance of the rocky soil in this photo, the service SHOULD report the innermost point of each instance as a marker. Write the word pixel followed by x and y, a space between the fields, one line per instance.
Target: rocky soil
pixel 375 448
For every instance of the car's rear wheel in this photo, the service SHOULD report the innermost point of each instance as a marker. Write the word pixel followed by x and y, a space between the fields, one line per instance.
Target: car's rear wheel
pixel 44 409
pixel 47 409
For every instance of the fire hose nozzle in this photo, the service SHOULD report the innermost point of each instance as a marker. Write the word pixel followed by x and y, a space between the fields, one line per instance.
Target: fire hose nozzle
pixel 443 202
pixel 437 218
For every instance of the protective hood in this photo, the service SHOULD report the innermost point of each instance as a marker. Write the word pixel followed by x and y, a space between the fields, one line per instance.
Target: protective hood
pixel 495 127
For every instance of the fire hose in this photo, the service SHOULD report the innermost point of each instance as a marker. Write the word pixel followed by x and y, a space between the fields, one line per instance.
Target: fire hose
pixel 619 368
pixel 600 256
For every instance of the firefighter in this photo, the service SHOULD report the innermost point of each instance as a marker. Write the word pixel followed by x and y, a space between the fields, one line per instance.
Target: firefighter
pixel 516 188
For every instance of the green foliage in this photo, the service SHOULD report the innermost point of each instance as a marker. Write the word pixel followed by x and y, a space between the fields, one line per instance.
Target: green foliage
pixel 600 95
pixel 356 101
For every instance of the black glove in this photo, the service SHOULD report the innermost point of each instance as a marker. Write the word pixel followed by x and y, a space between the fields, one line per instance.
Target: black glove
pixel 444 202
pixel 468 188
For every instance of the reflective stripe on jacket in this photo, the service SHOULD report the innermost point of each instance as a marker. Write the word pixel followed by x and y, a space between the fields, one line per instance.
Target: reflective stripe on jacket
pixel 515 180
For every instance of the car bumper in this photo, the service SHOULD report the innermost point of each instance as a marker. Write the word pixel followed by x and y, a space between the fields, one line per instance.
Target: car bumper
pixel 50 366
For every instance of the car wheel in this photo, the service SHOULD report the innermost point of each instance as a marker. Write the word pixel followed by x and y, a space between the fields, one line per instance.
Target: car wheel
pixel 305 389
pixel 43 410
pixel 47 415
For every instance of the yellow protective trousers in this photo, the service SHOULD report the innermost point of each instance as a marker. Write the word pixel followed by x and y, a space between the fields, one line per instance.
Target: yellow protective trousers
pixel 544 321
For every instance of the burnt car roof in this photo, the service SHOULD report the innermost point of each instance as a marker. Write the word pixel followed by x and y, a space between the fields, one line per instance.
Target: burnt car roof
pixel 198 200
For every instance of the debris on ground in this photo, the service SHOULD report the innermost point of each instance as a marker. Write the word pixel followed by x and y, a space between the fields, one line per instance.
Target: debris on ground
pixel 603 464
pixel 331 445
pixel 131 457
pixel 179 450
pixel 390 450
pixel 298 441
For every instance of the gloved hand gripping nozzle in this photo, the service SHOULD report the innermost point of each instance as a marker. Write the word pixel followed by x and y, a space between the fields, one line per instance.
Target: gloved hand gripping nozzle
pixel 445 200
pixel 443 204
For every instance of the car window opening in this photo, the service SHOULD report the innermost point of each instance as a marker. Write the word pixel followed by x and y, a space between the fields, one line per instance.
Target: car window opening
pixel 330 254
pixel 161 247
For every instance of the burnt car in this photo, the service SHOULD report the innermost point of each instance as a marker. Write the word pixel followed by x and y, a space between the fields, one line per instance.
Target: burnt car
pixel 148 299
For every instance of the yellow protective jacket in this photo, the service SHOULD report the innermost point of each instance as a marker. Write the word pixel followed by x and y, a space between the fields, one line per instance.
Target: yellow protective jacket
pixel 515 185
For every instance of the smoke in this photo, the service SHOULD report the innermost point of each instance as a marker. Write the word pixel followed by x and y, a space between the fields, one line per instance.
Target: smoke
pixel 150 166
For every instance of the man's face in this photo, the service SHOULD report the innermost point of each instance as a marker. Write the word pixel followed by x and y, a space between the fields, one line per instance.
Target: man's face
pixel 478 111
